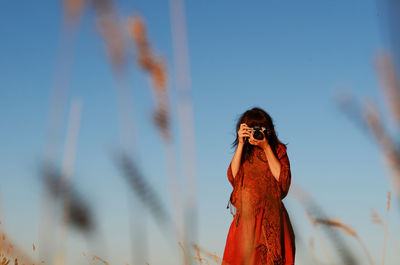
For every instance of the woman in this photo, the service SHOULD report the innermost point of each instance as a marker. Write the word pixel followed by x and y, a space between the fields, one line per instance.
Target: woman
pixel 261 232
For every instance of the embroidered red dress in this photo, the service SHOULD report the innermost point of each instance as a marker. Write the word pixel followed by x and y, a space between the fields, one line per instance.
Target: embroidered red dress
pixel 260 214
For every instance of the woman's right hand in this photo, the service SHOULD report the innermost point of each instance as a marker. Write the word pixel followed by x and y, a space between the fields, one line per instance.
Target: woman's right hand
pixel 244 131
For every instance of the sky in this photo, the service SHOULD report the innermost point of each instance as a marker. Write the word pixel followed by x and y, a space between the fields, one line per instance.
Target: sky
pixel 289 58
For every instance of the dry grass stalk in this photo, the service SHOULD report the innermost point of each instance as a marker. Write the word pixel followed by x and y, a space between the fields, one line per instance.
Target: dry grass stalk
pixel 311 246
pixel 181 245
pixel 313 209
pixel 212 256
pixel 374 121
pixel 350 107
pixel 67 173
pixel 157 71
pixel 312 250
pixel 376 218
pixel 337 223
pixel 347 229
pixel 146 59
pixel 57 107
pixel 386 229
pixel 391 89
pixel 198 256
pixel 323 244
pixel 186 116
pixel 94 257
pixel 112 33
pixel 9 251
pixel 391 153
pixel 388 202
pixel 183 250
pixel 80 213
pixel 369 121
pixel 389 83
pixel 87 258
pixel 73 10
pixel 149 197
pixel 5 261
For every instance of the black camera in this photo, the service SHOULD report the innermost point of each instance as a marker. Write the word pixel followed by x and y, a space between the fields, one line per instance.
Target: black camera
pixel 257 133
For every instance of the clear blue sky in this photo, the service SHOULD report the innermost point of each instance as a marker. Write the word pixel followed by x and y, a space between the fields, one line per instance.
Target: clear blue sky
pixel 286 57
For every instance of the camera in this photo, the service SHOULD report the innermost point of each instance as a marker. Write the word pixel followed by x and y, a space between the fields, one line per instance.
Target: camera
pixel 257 133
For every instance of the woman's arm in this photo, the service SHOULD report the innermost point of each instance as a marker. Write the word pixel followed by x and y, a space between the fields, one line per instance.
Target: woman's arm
pixel 273 162
pixel 235 163
pixel 280 168
pixel 234 166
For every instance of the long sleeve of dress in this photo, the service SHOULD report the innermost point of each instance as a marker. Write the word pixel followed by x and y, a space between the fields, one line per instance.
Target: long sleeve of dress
pixel 234 182
pixel 285 174
pixel 230 174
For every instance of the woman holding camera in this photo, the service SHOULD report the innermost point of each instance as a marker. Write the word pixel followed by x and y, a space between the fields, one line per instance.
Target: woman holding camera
pixel 261 232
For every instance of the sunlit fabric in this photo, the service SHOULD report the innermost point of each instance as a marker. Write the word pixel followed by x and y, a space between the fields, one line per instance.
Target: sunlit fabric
pixel 260 216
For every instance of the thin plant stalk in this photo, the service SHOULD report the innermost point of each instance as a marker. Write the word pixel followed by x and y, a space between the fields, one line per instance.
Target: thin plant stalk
pixel 186 121
pixel 320 238
pixel 11 250
pixel 155 68
pixel 67 172
pixel 113 37
pixel 386 229
pixel 344 252
pixel 54 126
pixel 348 230
pixel 213 256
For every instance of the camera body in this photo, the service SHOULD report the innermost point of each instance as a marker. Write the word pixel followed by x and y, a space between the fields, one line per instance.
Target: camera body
pixel 257 132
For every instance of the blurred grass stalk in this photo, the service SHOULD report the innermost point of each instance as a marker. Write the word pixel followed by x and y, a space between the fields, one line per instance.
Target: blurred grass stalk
pixel 199 250
pixel 347 229
pixel 369 119
pixel 161 116
pixel 390 88
pixel 317 215
pixel 112 33
pixel 371 122
pixel 386 229
pixel 56 115
pixel 378 220
pixel 113 36
pixel 66 175
pixel 324 247
pixel 186 123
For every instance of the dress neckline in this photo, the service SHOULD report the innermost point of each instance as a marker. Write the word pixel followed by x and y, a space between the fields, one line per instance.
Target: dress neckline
pixel 260 154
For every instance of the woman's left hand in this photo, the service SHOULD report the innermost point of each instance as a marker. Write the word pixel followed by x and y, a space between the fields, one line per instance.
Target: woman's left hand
pixel 261 143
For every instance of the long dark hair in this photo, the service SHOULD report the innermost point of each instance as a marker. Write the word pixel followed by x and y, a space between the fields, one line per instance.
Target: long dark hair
pixel 253 117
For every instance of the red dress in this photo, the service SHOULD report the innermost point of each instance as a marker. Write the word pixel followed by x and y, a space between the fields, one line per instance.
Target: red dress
pixel 260 218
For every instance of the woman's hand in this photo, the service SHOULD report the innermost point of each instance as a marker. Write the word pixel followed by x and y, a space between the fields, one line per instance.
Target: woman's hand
pixel 244 131
pixel 261 143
